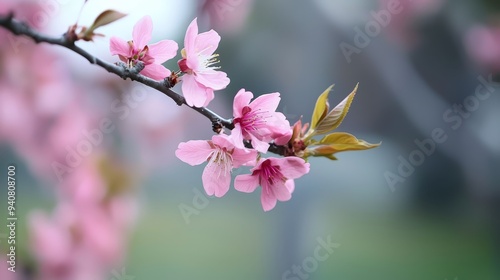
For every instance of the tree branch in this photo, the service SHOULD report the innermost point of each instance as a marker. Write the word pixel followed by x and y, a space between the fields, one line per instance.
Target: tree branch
pixel 20 28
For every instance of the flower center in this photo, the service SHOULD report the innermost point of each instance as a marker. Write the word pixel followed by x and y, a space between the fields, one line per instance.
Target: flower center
pixel 139 55
pixel 253 120
pixel 271 173
pixel 223 158
pixel 206 62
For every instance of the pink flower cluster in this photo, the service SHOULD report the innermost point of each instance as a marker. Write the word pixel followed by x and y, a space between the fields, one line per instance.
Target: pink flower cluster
pixel 256 123
pixel 200 76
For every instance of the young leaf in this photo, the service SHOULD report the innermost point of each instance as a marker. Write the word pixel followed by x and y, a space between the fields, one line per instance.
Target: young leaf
pixel 321 108
pixel 337 115
pixel 104 18
pixel 341 141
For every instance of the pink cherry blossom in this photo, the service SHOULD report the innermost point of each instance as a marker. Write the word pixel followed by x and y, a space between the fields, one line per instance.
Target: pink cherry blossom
pixel 483 45
pixel 275 175
pixel 227 16
pixel 200 77
pixel 258 120
pixel 152 56
pixel 222 157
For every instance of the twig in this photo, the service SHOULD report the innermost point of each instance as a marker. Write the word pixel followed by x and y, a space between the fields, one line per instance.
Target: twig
pixel 20 28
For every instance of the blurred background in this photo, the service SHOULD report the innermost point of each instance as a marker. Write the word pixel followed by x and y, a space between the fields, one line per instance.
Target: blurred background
pixel 100 194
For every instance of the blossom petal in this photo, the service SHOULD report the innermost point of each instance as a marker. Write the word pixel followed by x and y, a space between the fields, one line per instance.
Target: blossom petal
pixel 223 141
pixel 237 136
pixel 194 93
pixel 268 200
pixel 258 144
pixel 207 42
pixel 193 152
pixel 290 185
pixel 283 138
pixel 118 46
pixel 292 167
pixel 246 183
pixel 142 32
pixel 266 102
pixel 241 100
pixel 281 129
pixel 244 157
pixel 280 191
pixel 210 96
pixel 190 38
pixel 216 179
pixel 155 71
pixel 163 50
pixel 216 80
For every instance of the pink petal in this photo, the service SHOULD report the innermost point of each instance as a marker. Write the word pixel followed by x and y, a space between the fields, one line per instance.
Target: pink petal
pixel 284 138
pixel 216 180
pixel 207 42
pixel 279 119
pixel 118 46
pixel 142 32
pixel 194 93
pixel 210 96
pixel 280 191
pixel 155 71
pixel 244 157
pixel 246 183
pixel 163 50
pixel 258 144
pixel 223 141
pixel 281 129
pixel 237 136
pixel 216 80
pixel 268 200
pixel 266 102
pixel 193 152
pixel 290 185
pixel 190 38
pixel 193 62
pixel 292 167
pixel 241 100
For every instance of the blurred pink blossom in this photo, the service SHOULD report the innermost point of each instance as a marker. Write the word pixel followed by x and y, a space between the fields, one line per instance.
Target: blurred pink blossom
pixel 200 78
pixel 81 240
pixel 401 25
pixel 137 50
pixel 483 45
pixel 228 16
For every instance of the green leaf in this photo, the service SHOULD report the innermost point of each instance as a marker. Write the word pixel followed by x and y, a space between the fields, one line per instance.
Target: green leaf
pixel 341 141
pixel 321 108
pixel 337 115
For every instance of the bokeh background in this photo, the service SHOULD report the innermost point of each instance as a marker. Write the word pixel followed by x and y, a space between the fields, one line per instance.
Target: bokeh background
pixel 118 213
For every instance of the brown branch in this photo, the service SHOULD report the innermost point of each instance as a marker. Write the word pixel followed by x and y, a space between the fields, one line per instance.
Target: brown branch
pixel 21 28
